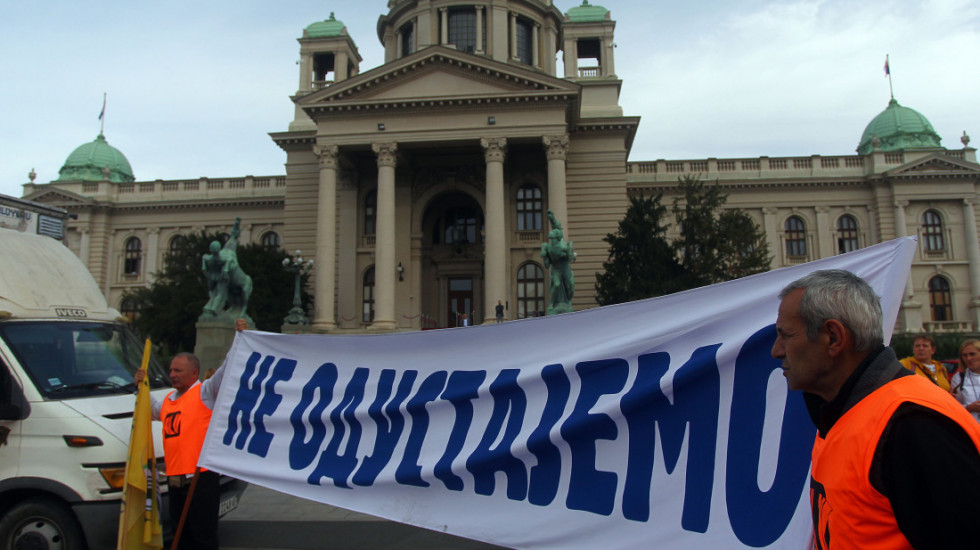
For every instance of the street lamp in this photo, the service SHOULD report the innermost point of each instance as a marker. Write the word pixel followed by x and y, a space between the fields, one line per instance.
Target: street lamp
pixel 297 267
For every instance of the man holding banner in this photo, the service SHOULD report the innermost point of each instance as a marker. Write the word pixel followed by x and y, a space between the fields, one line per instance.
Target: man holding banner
pixel 881 430
pixel 186 414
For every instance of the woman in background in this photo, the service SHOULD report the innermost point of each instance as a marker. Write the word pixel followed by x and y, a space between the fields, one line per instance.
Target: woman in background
pixel 966 382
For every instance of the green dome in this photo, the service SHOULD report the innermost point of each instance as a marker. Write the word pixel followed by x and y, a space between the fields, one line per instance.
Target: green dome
pixel 89 161
pixel 898 128
pixel 324 29
pixel 587 13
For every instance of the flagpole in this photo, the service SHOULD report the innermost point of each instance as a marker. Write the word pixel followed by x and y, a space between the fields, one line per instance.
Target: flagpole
pixel 888 73
pixel 102 115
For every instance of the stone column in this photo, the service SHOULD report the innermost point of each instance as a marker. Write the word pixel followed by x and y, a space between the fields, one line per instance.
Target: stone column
pixel 84 246
pixel 152 253
pixel 911 310
pixel 556 149
pixel 513 36
pixel 973 257
pixel 535 51
pixel 306 73
pixel 326 240
pixel 772 233
pixel 443 26
pixel 384 243
pixel 825 233
pixel 495 258
pixel 479 29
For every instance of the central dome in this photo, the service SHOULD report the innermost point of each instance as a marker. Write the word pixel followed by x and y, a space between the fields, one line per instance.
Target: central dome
pixel 898 128
pixel 96 161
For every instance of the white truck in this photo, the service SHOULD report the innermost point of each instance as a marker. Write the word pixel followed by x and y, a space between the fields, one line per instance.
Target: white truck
pixel 66 401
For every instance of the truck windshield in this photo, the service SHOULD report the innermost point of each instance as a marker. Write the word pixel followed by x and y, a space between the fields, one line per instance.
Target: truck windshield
pixel 79 359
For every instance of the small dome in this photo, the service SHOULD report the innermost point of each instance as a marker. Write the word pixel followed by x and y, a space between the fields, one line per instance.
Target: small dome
pixel 587 13
pixel 898 128
pixel 96 161
pixel 323 29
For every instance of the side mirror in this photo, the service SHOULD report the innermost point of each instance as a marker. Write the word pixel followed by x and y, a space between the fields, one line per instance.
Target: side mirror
pixel 11 412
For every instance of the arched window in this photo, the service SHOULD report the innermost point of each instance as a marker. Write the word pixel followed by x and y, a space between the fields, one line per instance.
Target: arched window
pixel 133 256
pixel 128 308
pixel 370 213
pixel 459 225
pixel 940 302
pixel 367 303
pixel 932 231
pixel 795 237
pixel 847 234
pixel 530 291
pixel 271 239
pixel 529 207
pixel 177 242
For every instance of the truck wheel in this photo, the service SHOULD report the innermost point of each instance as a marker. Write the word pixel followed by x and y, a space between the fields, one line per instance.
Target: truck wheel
pixel 40 524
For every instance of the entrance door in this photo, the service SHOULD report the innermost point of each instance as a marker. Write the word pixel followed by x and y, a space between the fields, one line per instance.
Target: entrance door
pixel 460 301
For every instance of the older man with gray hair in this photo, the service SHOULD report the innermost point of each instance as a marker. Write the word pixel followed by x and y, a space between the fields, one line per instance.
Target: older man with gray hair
pixel 892 450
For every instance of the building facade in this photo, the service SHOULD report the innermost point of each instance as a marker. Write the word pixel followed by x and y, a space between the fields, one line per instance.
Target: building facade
pixel 420 187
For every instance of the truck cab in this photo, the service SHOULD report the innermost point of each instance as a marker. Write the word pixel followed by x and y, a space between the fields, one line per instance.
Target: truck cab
pixel 66 401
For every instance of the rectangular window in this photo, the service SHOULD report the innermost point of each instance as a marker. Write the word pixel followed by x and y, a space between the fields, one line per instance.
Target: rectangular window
pixel 462 29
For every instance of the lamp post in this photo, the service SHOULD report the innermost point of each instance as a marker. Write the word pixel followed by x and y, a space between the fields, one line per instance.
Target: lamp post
pixel 297 267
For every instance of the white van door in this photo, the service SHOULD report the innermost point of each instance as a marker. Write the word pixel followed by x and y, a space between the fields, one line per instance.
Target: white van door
pixel 9 424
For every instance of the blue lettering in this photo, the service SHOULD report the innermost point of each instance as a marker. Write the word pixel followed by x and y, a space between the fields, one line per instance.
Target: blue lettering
pixel 333 463
pixel 409 472
pixel 696 394
pixel 248 397
pixel 589 489
pixel 390 424
pixel 746 502
pixel 546 474
pixel 461 390
pixel 509 406
pixel 302 452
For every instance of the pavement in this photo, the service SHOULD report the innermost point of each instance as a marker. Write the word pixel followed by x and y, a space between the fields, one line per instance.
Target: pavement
pixel 269 520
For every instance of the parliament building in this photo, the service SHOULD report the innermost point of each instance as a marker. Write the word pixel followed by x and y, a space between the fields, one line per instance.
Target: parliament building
pixel 421 187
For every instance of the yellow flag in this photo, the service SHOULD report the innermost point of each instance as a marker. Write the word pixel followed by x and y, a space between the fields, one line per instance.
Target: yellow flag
pixel 139 518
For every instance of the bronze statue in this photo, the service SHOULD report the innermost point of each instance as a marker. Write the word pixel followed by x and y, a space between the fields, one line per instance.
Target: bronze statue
pixel 228 286
pixel 558 256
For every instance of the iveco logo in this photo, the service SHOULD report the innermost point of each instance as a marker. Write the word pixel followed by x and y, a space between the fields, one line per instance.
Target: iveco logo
pixel 70 312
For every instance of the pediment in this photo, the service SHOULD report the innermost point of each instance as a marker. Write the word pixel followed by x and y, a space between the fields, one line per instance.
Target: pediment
pixel 935 163
pixel 59 197
pixel 435 74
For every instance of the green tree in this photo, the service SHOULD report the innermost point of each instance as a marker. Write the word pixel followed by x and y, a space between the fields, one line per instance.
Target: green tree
pixel 169 307
pixel 641 261
pixel 715 244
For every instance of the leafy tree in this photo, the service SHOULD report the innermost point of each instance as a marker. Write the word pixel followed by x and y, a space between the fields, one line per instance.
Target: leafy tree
pixel 641 261
pixel 170 306
pixel 716 246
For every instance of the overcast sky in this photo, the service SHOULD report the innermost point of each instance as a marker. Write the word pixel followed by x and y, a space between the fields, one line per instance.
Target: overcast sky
pixel 195 87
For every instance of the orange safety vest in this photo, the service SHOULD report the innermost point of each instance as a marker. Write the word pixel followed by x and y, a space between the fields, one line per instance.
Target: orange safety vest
pixel 848 512
pixel 185 423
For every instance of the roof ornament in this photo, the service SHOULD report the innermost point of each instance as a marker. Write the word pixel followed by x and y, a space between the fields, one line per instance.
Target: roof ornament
pixel 876 141
pixel 965 139
pixel 33 175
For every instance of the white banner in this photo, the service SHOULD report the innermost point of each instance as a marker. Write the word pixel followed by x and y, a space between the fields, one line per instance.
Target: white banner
pixel 662 423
